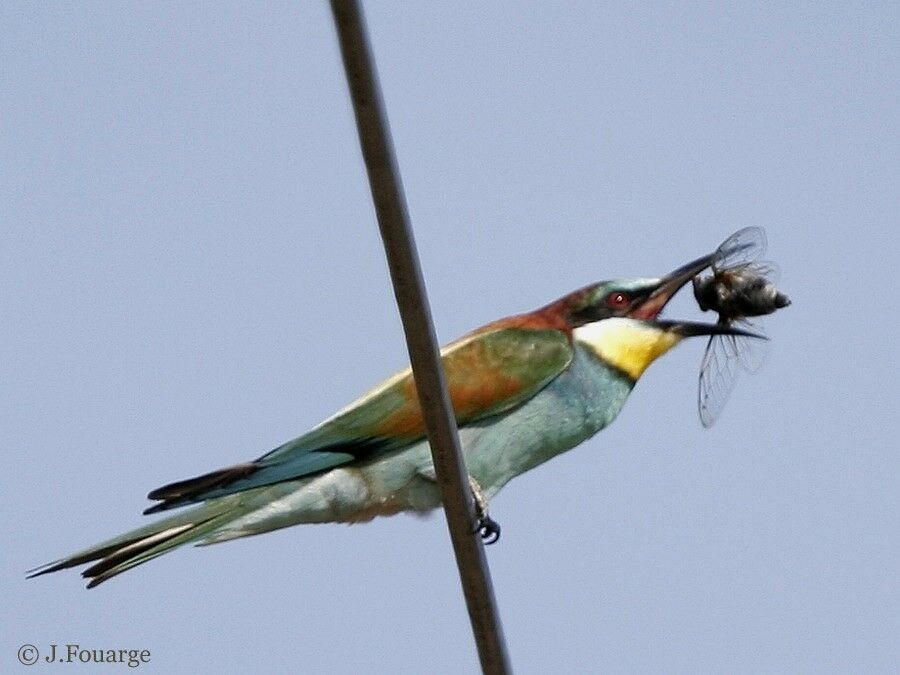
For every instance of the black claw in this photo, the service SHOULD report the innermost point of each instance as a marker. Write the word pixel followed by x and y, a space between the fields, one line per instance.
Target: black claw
pixel 488 529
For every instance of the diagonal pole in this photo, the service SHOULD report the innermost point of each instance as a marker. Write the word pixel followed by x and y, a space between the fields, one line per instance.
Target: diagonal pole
pixel 409 289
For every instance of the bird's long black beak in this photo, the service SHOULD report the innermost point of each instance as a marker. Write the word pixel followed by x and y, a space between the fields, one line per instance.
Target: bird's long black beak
pixel 668 286
pixel 693 328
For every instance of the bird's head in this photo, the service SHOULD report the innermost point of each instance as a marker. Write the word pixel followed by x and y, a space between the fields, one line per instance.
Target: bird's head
pixel 618 319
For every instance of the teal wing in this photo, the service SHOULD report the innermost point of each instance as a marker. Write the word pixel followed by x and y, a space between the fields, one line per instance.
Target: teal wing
pixel 489 371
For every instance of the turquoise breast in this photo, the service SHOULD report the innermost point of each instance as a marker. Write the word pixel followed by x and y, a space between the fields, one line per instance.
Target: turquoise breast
pixel 586 397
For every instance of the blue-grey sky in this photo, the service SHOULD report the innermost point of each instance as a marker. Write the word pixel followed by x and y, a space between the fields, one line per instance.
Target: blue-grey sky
pixel 192 275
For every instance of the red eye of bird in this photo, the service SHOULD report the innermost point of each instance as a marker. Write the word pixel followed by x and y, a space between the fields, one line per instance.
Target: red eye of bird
pixel 617 300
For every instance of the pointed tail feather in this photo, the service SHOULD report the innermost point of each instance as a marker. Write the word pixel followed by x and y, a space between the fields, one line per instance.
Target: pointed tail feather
pixel 243 477
pixel 133 548
pixel 187 491
pixel 150 548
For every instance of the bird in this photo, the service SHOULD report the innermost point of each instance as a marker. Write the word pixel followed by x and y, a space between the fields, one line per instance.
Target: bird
pixel 524 389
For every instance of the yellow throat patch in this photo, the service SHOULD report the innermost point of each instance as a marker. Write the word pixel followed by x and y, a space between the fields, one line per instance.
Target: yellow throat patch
pixel 627 344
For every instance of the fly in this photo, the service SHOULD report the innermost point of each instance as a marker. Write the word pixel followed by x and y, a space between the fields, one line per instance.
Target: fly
pixel 739 287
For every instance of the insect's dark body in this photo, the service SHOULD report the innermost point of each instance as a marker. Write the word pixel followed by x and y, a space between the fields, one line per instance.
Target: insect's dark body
pixel 738 293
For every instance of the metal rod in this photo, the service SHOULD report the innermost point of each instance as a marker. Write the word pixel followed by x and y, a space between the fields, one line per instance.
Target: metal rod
pixel 409 289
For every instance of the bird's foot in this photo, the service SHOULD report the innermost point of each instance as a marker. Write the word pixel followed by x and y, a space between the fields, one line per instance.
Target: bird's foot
pixel 488 529
pixel 485 527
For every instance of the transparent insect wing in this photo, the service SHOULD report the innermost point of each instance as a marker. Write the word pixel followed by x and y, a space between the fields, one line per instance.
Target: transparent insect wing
pixel 718 374
pixel 742 248
pixel 763 268
pixel 750 352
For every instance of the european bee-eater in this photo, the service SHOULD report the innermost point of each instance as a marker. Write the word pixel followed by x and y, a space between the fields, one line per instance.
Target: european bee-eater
pixel 524 389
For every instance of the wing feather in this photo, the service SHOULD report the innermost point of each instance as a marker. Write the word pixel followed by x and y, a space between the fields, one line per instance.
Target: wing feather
pixel 488 372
